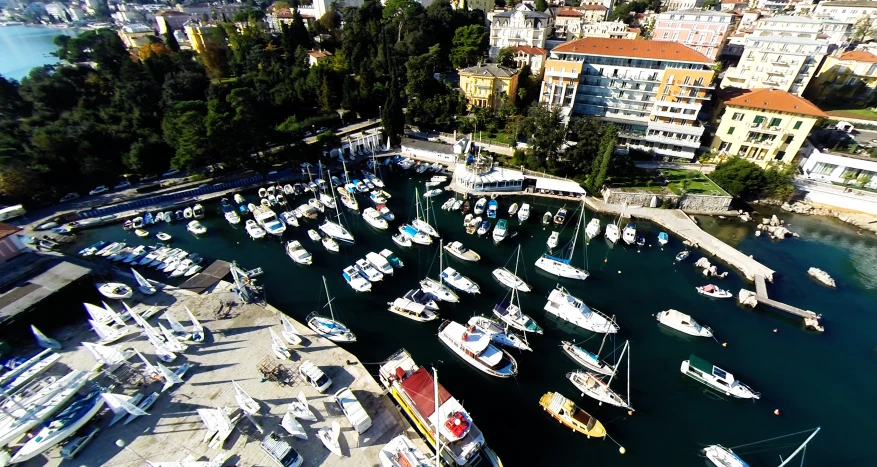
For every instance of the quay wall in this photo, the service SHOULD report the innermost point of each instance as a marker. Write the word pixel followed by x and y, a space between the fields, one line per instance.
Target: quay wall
pixel 687 202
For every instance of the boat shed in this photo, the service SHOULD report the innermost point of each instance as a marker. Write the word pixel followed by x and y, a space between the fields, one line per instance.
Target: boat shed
pixel 30 278
pixel 428 150
pixel 558 187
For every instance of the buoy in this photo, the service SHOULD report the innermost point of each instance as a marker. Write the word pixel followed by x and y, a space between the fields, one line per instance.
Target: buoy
pixel 775 330
pixel 619 272
pixel 776 412
pixel 606 260
pixel 629 412
pixel 724 344
pixel 621 449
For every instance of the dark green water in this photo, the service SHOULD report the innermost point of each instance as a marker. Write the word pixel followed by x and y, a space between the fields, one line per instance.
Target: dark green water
pixel 815 380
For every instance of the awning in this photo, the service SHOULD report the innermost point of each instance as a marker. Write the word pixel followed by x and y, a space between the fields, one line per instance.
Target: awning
pixel 566 186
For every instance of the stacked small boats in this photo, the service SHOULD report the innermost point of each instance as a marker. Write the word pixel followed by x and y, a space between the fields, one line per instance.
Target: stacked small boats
pixel 175 262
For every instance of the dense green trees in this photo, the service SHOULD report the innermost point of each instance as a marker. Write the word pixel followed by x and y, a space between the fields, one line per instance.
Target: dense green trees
pixel 470 45
pixel 746 180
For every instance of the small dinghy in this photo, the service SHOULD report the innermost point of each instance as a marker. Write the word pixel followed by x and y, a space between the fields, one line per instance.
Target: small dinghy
pixel 163 236
pixel 329 437
pixel 290 335
pixel 115 290
pixel 402 240
pixel 330 244
pixel 711 290
pixel 314 235
pixel 663 238
pixel 552 239
pixel 546 218
pixel 682 255
pixel 45 341
pixel 513 209
pixel 144 285
pixel 197 329
pixel 279 347
pixel 244 401
pixel 300 408
pixel 141 233
pixel 683 323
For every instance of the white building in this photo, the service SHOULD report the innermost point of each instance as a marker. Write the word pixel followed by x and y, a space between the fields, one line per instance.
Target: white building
pixel 318 8
pixel 608 30
pixel 57 11
pixel 673 5
pixel 824 171
pixel 521 26
pixel 846 11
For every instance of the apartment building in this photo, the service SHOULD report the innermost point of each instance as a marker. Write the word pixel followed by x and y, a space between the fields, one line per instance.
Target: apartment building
pixel 520 26
pixel 486 85
pixel 533 56
pixel 849 77
pixel 702 30
pixel 673 5
pixel 651 90
pixel 609 30
pixel 763 125
pixel 782 52
pixel 846 11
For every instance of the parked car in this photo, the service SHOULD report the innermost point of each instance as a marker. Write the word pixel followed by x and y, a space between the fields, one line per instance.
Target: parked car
pixel 170 173
pixel 149 177
pixel 322 130
pixel 99 190
pixel 69 197
pixel 123 184
pixel 314 376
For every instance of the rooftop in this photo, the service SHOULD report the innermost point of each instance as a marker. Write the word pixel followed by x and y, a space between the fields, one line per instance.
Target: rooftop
pixel 569 12
pixel 530 50
pixel 319 53
pixel 633 48
pixel 592 7
pixel 490 69
pixel 7 230
pixel 696 12
pixel 773 99
pixel 171 13
pixel 790 19
pixel 858 56
pixel 29 278
pixel 849 4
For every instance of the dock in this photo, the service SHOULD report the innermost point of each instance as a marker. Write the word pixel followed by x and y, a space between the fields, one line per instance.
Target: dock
pixel 746 297
pixel 207 278
pixel 236 347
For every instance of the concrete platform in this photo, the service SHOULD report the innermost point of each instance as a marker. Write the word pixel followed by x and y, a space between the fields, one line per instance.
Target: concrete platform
pixel 237 340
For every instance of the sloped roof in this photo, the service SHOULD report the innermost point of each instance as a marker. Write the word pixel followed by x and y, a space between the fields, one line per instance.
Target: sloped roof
pixel 858 56
pixel 530 50
pixel 489 69
pixel 633 48
pixel 776 100
pixel 7 230
pixel 592 7
pixel 569 12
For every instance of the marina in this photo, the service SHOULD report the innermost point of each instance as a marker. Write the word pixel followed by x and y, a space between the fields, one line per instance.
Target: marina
pixel 628 282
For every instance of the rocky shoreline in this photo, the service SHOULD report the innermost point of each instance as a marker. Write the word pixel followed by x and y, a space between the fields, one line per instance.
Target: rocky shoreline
pixel 858 219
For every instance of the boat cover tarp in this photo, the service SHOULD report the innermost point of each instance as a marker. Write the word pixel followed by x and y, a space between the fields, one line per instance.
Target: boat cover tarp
pixel 567 186
pixel 420 388
pixel 699 363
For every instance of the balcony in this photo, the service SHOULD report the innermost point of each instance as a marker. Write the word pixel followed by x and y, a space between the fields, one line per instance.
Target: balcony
pixel 689 143
pixel 695 85
pixel 562 74
pixel 780 63
pixel 686 96
pixel 668 114
pixel 766 128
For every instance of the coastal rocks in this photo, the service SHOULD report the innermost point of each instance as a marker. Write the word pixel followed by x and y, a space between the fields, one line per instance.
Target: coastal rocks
pixel 822 277
pixel 709 269
pixel 800 207
pixel 776 228
pixel 747 298
pixel 744 216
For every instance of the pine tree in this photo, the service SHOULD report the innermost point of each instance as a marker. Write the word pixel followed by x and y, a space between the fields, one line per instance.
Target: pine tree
pixel 170 41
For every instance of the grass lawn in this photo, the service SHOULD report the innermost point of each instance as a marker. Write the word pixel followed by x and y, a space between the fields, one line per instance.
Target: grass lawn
pixel 866 114
pixel 498 137
pixel 657 181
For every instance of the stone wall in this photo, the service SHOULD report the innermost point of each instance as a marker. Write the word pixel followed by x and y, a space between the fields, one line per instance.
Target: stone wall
pixel 689 202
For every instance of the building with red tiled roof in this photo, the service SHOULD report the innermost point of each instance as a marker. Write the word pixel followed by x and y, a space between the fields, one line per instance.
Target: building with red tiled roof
pixel 533 56
pixel 702 30
pixel 315 57
pixel 849 77
pixel 10 245
pixel 764 126
pixel 652 91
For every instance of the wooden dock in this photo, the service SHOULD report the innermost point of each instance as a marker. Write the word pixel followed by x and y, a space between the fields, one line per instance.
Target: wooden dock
pixel 208 277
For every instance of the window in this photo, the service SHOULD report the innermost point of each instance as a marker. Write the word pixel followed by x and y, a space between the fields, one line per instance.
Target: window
pixel 775 121
pixel 789 139
pixel 758 120
pixel 780 155
pixel 725 147
pixel 731 131
pixel 798 124
pixel 823 169
pixel 737 116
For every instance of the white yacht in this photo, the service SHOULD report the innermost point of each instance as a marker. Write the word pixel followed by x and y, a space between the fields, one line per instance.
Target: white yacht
pixel 559 265
pixel 298 254
pixel 266 218
pixel 587 359
pixel 457 249
pixel 254 230
pixel 232 217
pixel 368 271
pixel 569 308
pixel 498 333
pixel 336 231
pixel 380 262
pixel 611 233
pixel 683 323
pixel 593 228
pixel 705 372
pixel 629 233
pixel 524 212
pixel 374 219
pixel 196 228
pixel 459 281
pixel 475 347
pixel 479 206
pixel 510 313
pixel 439 290
pixel 415 235
pixel 552 239
pixel 509 279
pixel 355 280
pixel 411 310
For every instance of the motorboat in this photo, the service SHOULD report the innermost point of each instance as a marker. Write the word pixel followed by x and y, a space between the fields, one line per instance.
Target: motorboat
pixel 570 415
pixel 423 298
pixel 546 218
pixel 385 212
pixel 380 263
pixel 457 204
pixel 682 255
pixel 552 239
pixel 498 333
pixel 447 204
pixel 483 228
pixel 374 219
pixel 268 220
pixel 663 238
pixel 336 231
pixel 306 210
pixel 511 314
pixel 716 378
pixel 137 222
pixel 593 228
pixel 611 233
pixel 316 204
pixel 330 244
pixel 492 206
pixel 263 192
pixel 683 323
pixel 329 328
pixel 163 236
pixel 368 271
pixel 355 280
pixel 314 235
pixel 239 198
pixel 254 230
pixel 479 206
pixel 711 290
pixel 141 233
pixel 457 249
pixel 298 254
pixel 720 456
pixel 500 231
pixel 114 290
pixel 349 201
pixel 459 281
pixel 61 427
pixel 415 235
pixel 473 224
pixel 377 197
pixel 565 306
pixel 629 234
pixel 513 209
pixel 401 452
pixel 232 217
pixel 196 228
pixel 475 347
pixel 524 212
pixel 439 290
pixel 432 408
pixel 401 240
pixel 392 258
pixel 198 211
pixel 289 218
pixel 560 217
pixel 327 201
pixel 411 310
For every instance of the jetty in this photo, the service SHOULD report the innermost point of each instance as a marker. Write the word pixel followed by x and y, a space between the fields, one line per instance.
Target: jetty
pixel 749 298
pixel 236 348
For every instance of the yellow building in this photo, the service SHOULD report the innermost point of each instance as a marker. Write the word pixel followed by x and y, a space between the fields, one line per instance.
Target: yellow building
pixel 199 36
pixel 763 125
pixel 485 85
pixel 847 77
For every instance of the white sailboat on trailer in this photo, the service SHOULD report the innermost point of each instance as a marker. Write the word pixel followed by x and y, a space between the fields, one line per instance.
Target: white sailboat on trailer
pixel 279 347
pixel 144 285
pixel 197 328
pixel 43 340
pixel 289 333
pixel 593 386
pixel 176 327
pixel 244 401
pixel 561 267
pixel 329 328
pixel 300 408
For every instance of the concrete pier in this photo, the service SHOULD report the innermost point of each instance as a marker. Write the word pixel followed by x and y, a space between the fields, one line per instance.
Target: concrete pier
pixel 237 342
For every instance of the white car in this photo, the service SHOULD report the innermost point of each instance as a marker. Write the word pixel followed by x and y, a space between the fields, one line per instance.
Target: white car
pixel 170 173
pixel 69 197
pixel 122 184
pixel 314 376
pixel 99 190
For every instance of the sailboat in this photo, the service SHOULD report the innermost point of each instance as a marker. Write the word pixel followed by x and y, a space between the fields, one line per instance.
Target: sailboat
pixel 300 408
pixel 293 426
pixel 329 437
pixel 592 386
pixel 144 285
pixel 171 341
pixel 510 279
pixel 335 229
pixel 437 288
pixel 43 340
pixel 569 308
pixel 329 328
pixel 279 347
pixel 613 232
pixel 721 456
pixel 289 333
pixel 176 327
pixel 244 401
pixel 499 333
pixel 561 267
pixel 197 328
pixel 476 348
pixel 587 359
pixel 421 220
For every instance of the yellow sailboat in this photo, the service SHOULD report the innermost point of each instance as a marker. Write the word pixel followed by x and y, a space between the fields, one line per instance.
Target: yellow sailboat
pixel 566 412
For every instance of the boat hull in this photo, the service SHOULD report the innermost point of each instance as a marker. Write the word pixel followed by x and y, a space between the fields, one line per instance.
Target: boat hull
pixel 560 269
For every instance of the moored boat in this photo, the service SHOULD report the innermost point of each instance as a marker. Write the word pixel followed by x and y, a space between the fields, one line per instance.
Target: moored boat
pixel 524 212
pixel 475 347
pixel 683 323
pixel 411 310
pixel 571 416
pixel 593 228
pixel 569 308
pixel 711 290
pixel 458 250
pixel 716 378
pixel 560 217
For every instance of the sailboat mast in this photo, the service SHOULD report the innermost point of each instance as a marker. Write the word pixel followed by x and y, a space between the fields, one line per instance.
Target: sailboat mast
pixel 611 320
pixel 628 372
pixel 615 370
pixel 328 298
pixel 575 237
pixel 802 446
pixel 438 440
pixel 440 262
pixel 334 201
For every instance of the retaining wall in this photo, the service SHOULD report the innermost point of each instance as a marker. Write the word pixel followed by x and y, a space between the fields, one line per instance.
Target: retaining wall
pixel 689 202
